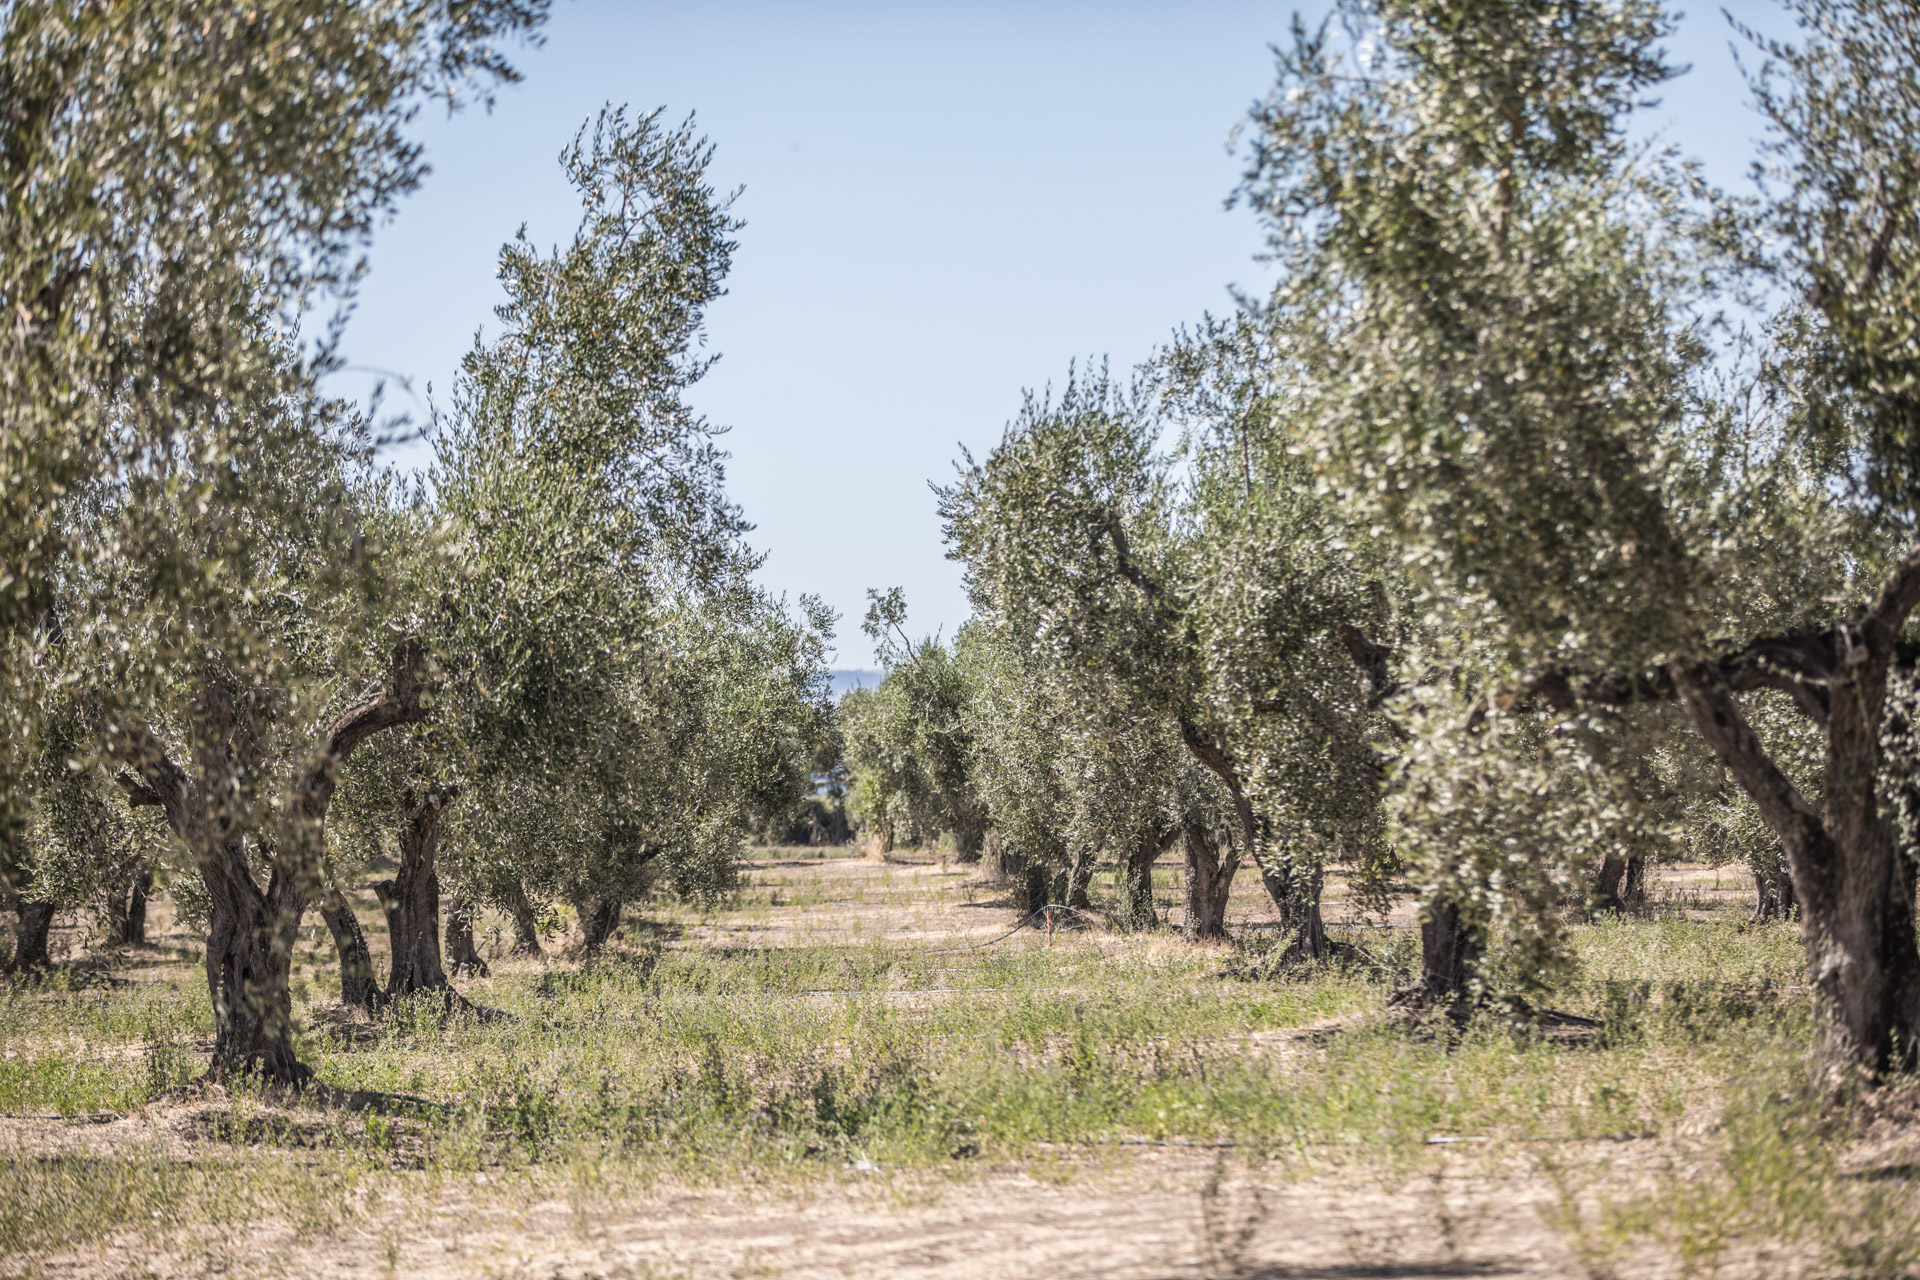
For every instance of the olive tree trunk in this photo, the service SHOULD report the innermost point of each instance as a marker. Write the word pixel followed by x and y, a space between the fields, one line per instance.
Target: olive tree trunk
pixel 1450 951
pixel 1076 881
pixel 526 923
pixel 1772 890
pixel 1295 891
pixel 1209 880
pixel 598 920
pixel 133 925
pixel 1294 887
pixel 251 933
pixel 1137 908
pixel 1855 891
pixel 414 913
pixel 250 938
pixel 462 955
pixel 1613 890
pixel 358 985
pixel 32 921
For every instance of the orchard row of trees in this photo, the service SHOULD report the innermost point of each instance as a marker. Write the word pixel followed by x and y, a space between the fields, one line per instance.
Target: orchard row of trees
pixel 1551 506
pixel 1551 509
pixel 237 652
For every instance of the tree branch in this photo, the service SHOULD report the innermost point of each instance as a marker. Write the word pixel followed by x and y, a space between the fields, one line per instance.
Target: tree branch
pixel 380 707
pixel 1213 757
pixel 1884 620
pixel 1124 565
pixel 139 794
pixel 1799 664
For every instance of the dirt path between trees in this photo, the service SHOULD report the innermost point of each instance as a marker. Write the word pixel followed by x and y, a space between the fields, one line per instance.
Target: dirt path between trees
pixel 1140 1216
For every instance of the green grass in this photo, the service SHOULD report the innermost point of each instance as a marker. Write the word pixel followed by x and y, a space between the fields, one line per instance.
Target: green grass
pixel 711 1064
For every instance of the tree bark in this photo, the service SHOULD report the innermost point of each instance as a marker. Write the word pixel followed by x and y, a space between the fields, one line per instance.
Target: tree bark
pixel 32 922
pixel 526 924
pixel 598 920
pixel 1295 892
pixel 1859 922
pixel 1773 897
pixel 1079 876
pixel 1137 909
pixel 1634 892
pixel 1296 896
pixel 249 950
pixel 358 985
pixel 1613 871
pixel 251 934
pixel 414 916
pixel 1450 952
pixel 1033 888
pixel 133 926
pixel 462 955
pixel 1622 884
pixel 1209 880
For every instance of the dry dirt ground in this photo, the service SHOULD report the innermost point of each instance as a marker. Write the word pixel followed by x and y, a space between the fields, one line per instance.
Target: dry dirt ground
pixel 1141 1211
pixel 1137 1214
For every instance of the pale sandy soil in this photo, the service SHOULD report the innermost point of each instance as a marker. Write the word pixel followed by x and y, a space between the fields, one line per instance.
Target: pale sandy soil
pixel 1136 1214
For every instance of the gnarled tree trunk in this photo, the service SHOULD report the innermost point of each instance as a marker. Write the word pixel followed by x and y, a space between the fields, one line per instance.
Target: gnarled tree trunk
pixel 1773 892
pixel 1295 892
pixel 598 920
pixel 32 921
pixel 1209 880
pixel 414 916
pixel 358 985
pixel 1450 952
pixel 251 934
pixel 526 924
pixel 1077 879
pixel 1613 872
pixel 1622 884
pixel 1855 895
pixel 249 950
pixel 462 955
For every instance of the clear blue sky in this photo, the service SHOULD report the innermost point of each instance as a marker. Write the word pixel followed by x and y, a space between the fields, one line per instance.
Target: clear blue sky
pixel 945 203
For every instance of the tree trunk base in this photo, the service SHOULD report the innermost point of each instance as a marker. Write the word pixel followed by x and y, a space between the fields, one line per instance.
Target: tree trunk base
pixel 33 921
pixel 526 924
pixel 598 920
pixel 133 928
pixel 462 955
pixel 1450 951
pixel 1209 881
pixel 358 987
pixel 1773 895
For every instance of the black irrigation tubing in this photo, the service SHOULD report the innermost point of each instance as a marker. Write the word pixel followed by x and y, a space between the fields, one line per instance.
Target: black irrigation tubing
pixel 1047 910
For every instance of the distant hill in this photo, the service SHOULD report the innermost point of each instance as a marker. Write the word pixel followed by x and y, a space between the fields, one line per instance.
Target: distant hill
pixel 844 682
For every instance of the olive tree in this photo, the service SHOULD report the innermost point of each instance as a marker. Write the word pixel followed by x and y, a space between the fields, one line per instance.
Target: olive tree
pixel 171 170
pixel 1066 779
pixel 908 741
pixel 1214 599
pixel 1508 303
pixel 182 187
pixel 619 697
